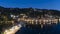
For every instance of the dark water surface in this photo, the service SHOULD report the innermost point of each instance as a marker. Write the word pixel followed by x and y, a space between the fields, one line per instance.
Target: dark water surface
pixel 36 29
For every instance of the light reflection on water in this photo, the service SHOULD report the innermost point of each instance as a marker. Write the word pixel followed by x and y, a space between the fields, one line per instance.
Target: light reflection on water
pixel 47 29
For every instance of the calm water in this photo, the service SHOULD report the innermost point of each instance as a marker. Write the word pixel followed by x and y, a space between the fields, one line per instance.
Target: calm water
pixel 36 29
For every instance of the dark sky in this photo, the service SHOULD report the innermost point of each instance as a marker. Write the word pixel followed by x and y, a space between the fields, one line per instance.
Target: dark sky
pixel 43 4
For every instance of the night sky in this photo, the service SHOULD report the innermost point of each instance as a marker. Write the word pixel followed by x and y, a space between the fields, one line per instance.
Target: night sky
pixel 42 4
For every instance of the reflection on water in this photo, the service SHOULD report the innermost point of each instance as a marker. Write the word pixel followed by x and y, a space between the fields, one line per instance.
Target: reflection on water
pixel 36 29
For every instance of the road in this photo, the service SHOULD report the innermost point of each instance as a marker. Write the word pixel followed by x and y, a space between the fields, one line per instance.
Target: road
pixel 13 29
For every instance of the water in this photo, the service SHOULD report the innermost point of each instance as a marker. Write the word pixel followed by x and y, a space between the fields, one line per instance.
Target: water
pixel 36 29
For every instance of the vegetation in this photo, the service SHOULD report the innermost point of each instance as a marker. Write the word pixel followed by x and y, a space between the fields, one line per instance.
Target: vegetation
pixel 31 12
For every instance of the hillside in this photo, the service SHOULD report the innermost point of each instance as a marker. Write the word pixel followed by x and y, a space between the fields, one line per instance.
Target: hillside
pixel 31 12
pixel 5 14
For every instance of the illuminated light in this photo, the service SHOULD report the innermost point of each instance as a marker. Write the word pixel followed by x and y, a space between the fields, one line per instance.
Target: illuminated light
pixel 12 22
pixel 11 15
pixel 32 21
pixel 6 30
pixel 40 21
pixel 41 26
pixel 59 20
pixel 43 21
pixel 48 23
pixel 36 21
pixel 12 30
pixel 19 19
pixel 25 20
